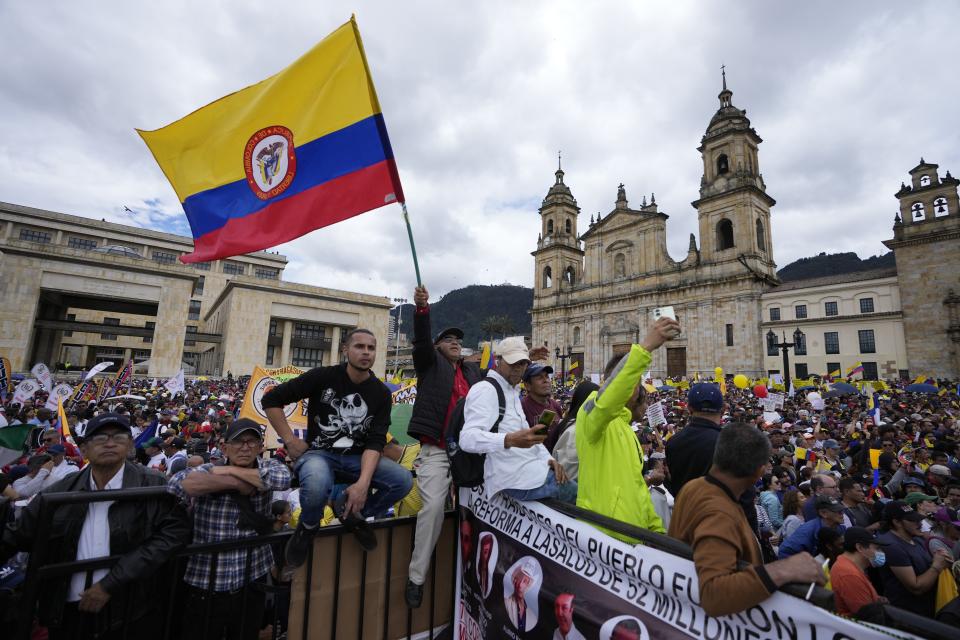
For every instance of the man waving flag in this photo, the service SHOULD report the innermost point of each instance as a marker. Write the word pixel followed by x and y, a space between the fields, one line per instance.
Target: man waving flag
pixel 301 150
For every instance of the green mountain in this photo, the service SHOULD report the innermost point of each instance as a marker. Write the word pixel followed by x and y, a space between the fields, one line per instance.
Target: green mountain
pixel 505 308
pixel 823 265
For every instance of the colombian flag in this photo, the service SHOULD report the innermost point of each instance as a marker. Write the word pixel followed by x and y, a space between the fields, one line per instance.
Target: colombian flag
pixel 303 149
pixel 855 369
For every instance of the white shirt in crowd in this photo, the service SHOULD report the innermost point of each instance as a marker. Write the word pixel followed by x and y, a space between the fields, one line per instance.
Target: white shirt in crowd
pixel 94 537
pixel 60 471
pixel 27 487
pixel 513 468
pixel 155 461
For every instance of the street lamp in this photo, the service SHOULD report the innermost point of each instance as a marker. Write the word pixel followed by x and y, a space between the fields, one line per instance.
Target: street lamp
pixel 798 337
pixel 562 357
pixel 396 364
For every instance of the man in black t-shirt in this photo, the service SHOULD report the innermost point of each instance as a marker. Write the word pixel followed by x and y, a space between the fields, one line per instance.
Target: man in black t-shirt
pixel 348 413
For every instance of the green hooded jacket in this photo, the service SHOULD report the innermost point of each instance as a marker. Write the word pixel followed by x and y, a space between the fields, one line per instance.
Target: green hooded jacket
pixel 611 461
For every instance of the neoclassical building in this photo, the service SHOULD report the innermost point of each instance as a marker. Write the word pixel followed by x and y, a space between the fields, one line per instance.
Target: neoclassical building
pixel 595 290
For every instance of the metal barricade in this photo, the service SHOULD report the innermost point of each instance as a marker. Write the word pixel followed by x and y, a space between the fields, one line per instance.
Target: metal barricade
pixel 366 604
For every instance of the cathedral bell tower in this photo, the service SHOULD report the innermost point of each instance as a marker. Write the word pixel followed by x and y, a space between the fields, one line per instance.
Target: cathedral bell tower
pixel 558 259
pixel 734 208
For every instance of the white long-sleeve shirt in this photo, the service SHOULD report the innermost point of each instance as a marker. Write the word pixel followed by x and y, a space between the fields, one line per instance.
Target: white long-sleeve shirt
pixel 512 468
pixel 26 486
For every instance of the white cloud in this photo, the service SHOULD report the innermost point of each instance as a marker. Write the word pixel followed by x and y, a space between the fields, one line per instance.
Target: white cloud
pixel 479 97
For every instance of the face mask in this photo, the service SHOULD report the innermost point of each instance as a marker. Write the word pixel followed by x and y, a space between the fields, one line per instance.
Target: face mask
pixel 879 559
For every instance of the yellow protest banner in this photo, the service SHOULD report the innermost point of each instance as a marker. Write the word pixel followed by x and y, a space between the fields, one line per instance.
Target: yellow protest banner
pixel 261 381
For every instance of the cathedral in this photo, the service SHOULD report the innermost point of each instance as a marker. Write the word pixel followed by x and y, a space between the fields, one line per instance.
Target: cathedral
pixel 594 291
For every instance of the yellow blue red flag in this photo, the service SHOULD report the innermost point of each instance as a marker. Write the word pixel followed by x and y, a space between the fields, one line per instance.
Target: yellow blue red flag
pixel 301 150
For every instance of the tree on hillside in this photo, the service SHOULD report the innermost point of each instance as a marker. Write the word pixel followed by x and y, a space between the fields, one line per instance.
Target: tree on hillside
pixel 494 326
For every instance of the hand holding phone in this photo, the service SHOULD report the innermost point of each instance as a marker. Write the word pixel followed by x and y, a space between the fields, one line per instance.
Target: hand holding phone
pixel 546 419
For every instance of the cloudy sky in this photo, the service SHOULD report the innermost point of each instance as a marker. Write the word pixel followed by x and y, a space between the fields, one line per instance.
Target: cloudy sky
pixel 478 99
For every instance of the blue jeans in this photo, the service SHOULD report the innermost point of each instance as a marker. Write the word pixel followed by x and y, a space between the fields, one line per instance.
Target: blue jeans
pixel 319 469
pixel 566 492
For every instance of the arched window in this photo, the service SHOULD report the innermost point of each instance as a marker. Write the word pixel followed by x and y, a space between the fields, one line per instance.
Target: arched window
pixel 547 277
pixel 550 227
pixel 569 225
pixel 569 275
pixel 724 235
pixel 940 207
pixel 918 212
pixel 619 266
pixel 924 181
pixel 576 335
pixel 761 239
pixel 723 165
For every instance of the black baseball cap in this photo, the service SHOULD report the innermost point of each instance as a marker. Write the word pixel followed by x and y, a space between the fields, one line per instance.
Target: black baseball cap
pixel 705 397
pixel 449 331
pixel 240 426
pixel 829 502
pixel 106 420
pixel 858 535
pixel 900 510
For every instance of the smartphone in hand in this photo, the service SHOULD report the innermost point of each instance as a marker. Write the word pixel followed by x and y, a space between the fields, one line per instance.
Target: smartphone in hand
pixel 664 312
pixel 546 419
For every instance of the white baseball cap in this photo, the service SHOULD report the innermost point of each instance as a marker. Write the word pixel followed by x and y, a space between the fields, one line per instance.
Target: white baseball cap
pixel 513 349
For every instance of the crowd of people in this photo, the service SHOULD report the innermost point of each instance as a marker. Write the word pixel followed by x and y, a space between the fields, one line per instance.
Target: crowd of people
pixel 844 491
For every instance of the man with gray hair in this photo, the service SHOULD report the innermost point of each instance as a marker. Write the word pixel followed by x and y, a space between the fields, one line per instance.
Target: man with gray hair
pixel 708 517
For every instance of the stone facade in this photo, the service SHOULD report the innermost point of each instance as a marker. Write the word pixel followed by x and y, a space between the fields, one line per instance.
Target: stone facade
pixel 81 291
pixel 926 244
pixel 845 319
pixel 595 292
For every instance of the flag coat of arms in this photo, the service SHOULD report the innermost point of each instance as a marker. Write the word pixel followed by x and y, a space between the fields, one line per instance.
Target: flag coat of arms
pixel 301 150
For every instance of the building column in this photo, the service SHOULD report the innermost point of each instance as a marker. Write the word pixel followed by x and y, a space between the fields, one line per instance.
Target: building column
pixel 127 354
pixel 334 346
pixel 166 352
pixel 285 345
pixel 84 357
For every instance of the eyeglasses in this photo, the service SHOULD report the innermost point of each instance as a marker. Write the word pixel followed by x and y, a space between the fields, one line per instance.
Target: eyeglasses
pixel 49 439
pixel 451 340
pixel 249 443
pixel 103 438
pixel 888 444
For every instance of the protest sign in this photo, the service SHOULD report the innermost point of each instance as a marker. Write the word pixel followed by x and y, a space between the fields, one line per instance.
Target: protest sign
pixel 655 414
pixel 60 392
pixel 25 390
pixel 261 381
pixel 42 374
pixel 768 404
pixel 777 400
pixel 525 570
pixel 175 384
pixel 406 394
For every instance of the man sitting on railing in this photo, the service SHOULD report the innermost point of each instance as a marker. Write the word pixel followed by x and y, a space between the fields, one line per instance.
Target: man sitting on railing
pixel 348 415
pixel 611 463
pixel 230 501
pixel 144 533
pixel 708 517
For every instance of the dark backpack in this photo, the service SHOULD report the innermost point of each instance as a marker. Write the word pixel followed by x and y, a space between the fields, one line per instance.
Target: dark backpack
pixel 466 469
